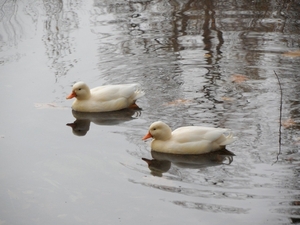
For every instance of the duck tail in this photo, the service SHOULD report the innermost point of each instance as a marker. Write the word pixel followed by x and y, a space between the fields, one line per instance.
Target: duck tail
pixel 228 139
pixel 138 93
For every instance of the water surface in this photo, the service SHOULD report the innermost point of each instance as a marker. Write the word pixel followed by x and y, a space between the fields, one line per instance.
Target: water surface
pixel 209 63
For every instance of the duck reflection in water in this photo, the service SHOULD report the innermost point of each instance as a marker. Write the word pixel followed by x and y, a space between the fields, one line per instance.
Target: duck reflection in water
pixel 81 125
pixel 161 162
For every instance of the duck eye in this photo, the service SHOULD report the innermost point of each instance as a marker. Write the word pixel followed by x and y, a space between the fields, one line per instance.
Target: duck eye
pixel 154 128
pixel 79 89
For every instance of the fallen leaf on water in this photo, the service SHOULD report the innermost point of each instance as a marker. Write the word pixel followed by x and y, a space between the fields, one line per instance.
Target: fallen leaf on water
pixel 290 159
pixel 288 123
pixel 296 203
pixel 238 78
pixel 224 98
pixel 297 141
pixel 178 102
pixel 47 106
pixel 292 54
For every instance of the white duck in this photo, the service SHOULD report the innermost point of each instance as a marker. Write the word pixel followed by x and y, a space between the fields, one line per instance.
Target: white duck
pixel 105 98
pixel 187 140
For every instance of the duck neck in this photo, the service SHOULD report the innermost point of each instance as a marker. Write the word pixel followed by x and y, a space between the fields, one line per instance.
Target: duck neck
pixel 167 134
pixel 86 96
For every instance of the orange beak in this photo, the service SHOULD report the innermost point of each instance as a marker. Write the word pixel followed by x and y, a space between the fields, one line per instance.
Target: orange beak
pixel 147 136
pixel 72 95
pixel 73 125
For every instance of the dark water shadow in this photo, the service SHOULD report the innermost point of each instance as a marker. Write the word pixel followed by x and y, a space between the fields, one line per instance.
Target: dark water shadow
pixel 81 125
pixel 162 162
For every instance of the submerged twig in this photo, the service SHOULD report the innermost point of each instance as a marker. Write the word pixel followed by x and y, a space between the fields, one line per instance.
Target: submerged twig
pixel 280 117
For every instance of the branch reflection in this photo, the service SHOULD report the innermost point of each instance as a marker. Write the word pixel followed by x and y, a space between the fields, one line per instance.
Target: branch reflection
pixel 61 19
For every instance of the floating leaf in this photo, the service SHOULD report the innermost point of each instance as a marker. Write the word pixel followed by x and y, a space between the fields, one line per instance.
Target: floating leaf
pixel 288 123
pixel 297 141
pixel 227 99
pixel 290 159
pixel 179 102
pixel 47 106
pixel 292 54
pixel 238 78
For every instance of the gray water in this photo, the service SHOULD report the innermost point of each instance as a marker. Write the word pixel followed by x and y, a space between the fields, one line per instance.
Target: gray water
pixel 207 63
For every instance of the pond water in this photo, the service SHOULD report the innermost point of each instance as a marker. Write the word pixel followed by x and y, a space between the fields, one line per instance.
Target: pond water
pixel 232 64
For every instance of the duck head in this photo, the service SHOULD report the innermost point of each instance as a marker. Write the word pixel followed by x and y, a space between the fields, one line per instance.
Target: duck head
pixel 80 91
pixel 159 131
